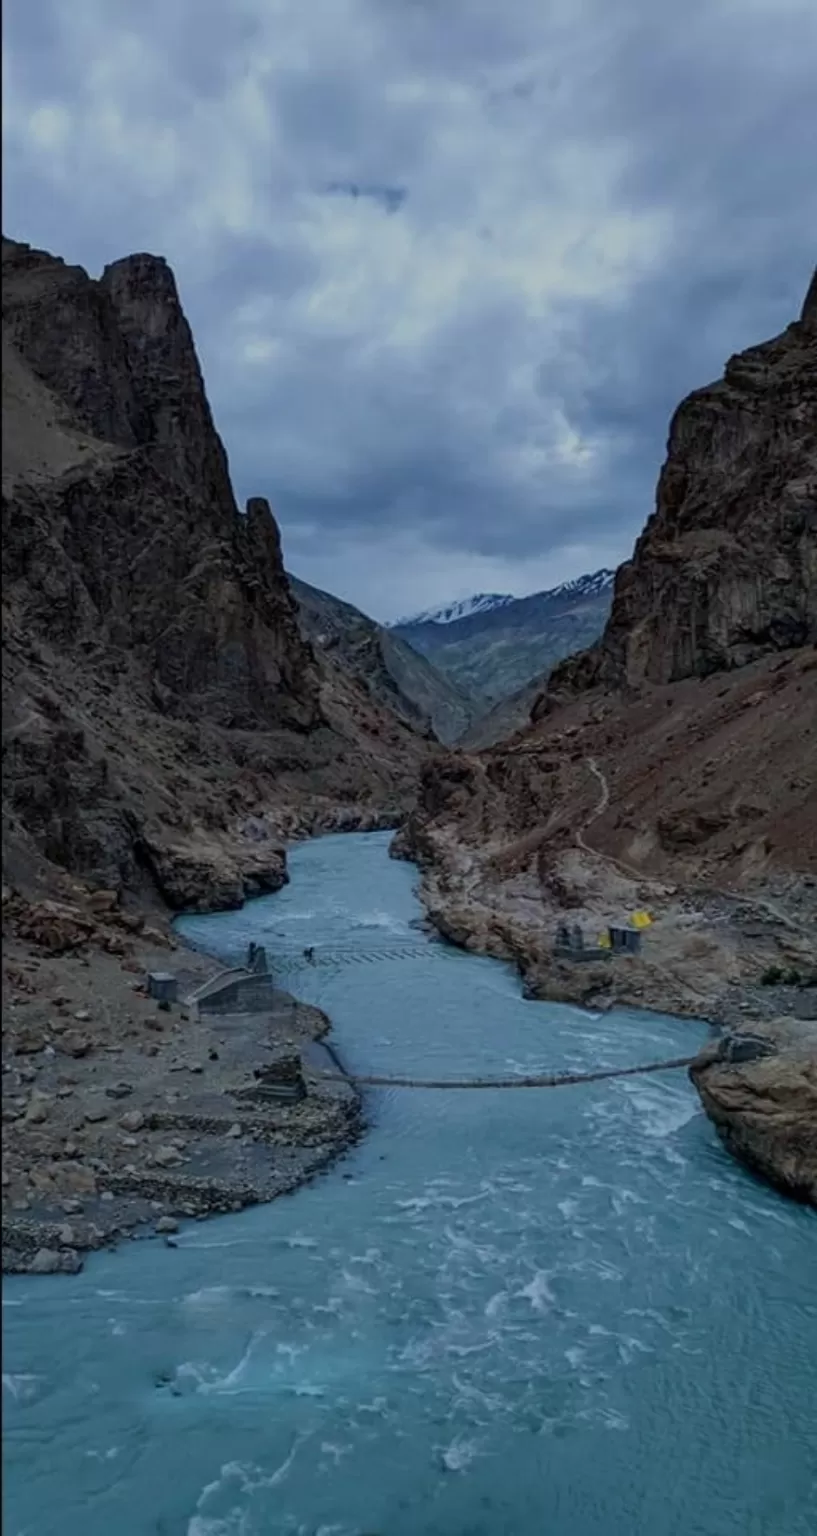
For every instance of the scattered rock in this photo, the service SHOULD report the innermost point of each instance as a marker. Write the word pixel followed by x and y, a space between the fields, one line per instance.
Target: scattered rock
pixel 46 1261
pixel 167 1224
pixel 74 1044
pixel 78 1179
pixel 95 1114
pixel 166 1157
pixel 82 1015
pixel 119 1090
pixel 67 1237
pixel 132 1120
pixel 38 1111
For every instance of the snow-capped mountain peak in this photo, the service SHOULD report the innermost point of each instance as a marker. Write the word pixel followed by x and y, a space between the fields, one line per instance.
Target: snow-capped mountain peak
pixel 483 602
pixel 592 585
pixel 585 586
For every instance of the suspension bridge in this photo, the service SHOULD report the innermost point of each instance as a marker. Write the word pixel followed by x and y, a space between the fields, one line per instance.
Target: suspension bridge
pixel 333 958
pixel 539 1080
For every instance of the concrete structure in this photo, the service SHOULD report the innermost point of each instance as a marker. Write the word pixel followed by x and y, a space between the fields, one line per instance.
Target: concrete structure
pixel 625 941
pixel 235 990
pixel 738 1048
pixel 570 945
pixel 163 986
pixel 279 1082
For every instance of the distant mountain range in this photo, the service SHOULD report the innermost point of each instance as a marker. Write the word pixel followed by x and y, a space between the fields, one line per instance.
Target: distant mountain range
pixel 487 602
pixel 493 645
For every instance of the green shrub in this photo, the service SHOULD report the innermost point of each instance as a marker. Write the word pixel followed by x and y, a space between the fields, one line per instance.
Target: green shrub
pixel 772 976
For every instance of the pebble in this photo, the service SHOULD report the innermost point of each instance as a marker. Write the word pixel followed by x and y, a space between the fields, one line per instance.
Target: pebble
pixel 95 1114
pixel 72 1207
pixel 166 1157
pixel 66 1236
pixel 107 1196
pixel 119 1090
pixel 75 1045
pixel 81 1178
pixel 82 1015
pixel 133 1120
pixel 167 1224
pixel 37 1112
pixel 235 1130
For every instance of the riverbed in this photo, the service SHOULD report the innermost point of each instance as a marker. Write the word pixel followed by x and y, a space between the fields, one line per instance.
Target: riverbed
pixel 557 1312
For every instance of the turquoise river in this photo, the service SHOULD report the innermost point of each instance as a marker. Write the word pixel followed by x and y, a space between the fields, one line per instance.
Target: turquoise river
pixel 558 1312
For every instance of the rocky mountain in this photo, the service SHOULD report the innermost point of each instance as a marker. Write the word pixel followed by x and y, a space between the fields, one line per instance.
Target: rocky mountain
pixel 671 766
pixel 392 672
pixel 725 571
pixel 165 722
pixel 498 645
pixel 504 718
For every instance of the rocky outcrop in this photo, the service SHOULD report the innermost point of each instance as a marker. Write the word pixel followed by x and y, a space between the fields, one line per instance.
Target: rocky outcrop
pixel 725 571
pixel 390 670
pixel 765 1111
pixel 158 693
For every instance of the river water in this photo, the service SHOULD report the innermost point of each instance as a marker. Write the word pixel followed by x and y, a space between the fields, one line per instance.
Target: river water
pixel 558 1312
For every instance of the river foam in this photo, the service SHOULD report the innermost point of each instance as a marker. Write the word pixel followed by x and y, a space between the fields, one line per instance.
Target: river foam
pixel 524 1312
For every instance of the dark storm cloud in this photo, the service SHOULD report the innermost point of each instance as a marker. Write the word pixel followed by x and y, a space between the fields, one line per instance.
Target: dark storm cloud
pixel 450 267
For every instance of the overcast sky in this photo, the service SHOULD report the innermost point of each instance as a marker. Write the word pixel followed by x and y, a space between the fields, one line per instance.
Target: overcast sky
pixel 450 264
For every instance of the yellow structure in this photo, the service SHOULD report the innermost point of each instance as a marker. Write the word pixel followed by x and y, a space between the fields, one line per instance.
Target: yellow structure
pixel 641 919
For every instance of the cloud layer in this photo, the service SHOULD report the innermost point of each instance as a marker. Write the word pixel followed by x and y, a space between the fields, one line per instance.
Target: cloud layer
pixel 450 266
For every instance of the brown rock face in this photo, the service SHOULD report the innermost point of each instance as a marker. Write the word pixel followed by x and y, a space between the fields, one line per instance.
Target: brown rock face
pixel 766 1113
pixel 725 571
pixel 157 689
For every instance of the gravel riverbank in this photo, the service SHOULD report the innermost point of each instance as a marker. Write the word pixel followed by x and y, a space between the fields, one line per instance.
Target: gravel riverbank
pixel 122 1120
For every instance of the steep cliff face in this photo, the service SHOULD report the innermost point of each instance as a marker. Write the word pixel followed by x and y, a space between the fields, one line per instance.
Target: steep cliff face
pixel 725 571
pixel 182 580
pixel 157 688
pixel 389 669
